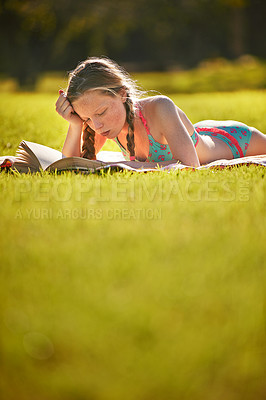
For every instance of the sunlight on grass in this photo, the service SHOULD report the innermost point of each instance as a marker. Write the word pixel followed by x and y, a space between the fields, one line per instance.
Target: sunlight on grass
pixel 223 77
pixel 131 286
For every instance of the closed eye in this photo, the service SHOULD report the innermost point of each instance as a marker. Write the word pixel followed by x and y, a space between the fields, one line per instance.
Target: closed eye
pixel 88 119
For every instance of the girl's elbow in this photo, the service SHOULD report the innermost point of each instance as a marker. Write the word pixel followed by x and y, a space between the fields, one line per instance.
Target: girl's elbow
pixel 189 161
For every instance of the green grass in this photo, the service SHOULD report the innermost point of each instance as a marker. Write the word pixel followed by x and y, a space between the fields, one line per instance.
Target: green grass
pixel 212 75
pixel 131 286
pixel 219 75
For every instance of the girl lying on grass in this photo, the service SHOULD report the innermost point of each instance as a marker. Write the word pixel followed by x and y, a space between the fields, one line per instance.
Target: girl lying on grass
pixel 102 102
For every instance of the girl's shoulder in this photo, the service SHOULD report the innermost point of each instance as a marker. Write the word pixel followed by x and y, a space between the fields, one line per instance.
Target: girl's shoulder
pixel 154 101
pixel 155 105
pixel 157 108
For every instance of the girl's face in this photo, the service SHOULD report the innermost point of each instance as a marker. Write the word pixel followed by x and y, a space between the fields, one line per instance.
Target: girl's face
pixel 105 114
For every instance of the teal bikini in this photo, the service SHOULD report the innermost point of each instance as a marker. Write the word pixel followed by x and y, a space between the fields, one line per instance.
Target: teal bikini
pixel 235 134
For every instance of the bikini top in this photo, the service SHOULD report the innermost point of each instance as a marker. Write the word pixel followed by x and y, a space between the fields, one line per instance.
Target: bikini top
pixel 157 151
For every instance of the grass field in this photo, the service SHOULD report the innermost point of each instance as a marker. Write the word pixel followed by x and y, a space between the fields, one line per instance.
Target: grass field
pixel 132 286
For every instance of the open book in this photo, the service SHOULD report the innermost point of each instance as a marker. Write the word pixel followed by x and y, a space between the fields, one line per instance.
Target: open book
pixel 33 157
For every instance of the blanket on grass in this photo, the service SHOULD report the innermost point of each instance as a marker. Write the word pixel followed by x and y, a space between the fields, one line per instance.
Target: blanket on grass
pixel 107 156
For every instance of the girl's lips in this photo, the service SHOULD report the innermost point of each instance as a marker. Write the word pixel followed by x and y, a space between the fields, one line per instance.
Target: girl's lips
pixel 105 133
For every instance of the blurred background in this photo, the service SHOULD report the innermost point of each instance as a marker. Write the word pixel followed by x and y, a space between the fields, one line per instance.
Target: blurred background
pixel 143 35
pixel 137 309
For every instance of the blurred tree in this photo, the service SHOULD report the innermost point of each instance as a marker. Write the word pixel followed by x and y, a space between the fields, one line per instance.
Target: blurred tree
pixel 26 27
pixel 237 31
pixel 36 36
pixel 97 26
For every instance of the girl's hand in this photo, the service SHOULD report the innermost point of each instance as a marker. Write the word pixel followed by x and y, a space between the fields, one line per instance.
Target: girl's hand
pixel 65 109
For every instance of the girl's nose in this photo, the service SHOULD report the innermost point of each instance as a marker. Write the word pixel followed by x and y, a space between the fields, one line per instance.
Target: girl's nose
pixel 97 124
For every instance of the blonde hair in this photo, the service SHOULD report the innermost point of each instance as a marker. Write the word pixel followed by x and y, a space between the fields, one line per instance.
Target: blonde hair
pixel 103 74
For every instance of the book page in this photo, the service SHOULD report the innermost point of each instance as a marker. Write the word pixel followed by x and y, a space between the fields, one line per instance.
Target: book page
pixel 3 159
pixel 75 163
pixel 110 156
pixel 45 155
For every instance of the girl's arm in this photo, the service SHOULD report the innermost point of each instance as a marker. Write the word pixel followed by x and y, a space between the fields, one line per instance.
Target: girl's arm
pixel 174 127
pixel 73 139
pixel 73 143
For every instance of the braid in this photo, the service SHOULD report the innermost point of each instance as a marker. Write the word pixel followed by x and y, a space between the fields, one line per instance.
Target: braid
pixel 130 135
pixel 88 146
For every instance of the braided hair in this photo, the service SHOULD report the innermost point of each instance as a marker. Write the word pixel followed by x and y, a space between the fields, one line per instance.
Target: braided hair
pixel 103 74
pixel 88 142
pixel 130 115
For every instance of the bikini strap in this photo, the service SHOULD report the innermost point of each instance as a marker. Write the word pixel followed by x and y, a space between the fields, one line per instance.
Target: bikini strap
pixel 195 137
pixel 143 120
